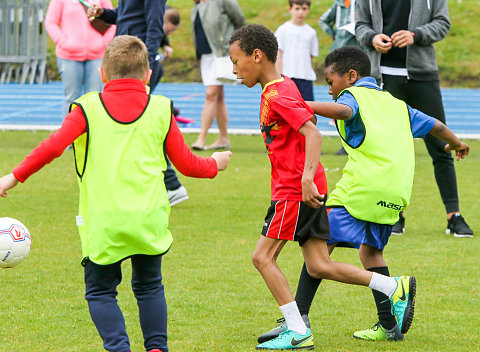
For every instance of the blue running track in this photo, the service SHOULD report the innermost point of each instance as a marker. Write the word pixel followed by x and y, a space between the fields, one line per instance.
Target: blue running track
pixel 39 107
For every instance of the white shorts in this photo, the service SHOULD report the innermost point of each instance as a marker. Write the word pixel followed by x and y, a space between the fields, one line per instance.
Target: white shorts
pixel 207 69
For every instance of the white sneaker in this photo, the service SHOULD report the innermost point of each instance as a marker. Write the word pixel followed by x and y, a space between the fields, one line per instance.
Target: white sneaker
pixel 177 195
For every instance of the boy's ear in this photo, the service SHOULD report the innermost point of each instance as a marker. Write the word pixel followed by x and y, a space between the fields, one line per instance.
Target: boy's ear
pixel 352 76
pixel 257 56
pixel 146 78
pixel 103 76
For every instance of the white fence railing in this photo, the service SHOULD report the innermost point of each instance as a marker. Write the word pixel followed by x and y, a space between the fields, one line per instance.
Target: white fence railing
pixel 23 41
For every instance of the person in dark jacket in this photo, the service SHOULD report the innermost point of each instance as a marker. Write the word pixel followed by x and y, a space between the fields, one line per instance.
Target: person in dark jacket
pixel 140 18
pixel 144 19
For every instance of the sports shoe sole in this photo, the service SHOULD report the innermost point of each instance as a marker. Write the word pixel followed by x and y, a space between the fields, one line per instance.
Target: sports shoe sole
pixel 410 310
pixel 288 349
pixel 458 235
pixel 179 200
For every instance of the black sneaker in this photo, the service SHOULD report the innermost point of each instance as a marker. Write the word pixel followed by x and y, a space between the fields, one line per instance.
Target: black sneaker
pixel 399 227
pixel 458 227
pixel 281 327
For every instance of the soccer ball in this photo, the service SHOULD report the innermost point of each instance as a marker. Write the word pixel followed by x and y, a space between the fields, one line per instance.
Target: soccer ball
pixel 15 242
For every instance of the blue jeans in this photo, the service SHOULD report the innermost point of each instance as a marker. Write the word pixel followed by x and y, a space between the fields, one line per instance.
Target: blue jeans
pixel 101 283
pixel 78 78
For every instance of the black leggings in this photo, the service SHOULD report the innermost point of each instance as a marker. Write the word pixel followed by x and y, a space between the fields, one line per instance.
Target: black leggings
pixel 426 97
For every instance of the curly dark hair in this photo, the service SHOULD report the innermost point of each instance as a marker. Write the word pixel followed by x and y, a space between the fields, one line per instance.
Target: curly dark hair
pixel 256 36
pixel 349 58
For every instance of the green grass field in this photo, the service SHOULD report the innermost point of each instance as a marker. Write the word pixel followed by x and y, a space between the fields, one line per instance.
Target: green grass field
pixel 217 301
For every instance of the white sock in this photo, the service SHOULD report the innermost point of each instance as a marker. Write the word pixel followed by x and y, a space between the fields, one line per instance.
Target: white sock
pixel 293 318
pixel 385 284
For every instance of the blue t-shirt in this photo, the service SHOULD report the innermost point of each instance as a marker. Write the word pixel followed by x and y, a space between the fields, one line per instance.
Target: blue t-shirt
pixel 421 123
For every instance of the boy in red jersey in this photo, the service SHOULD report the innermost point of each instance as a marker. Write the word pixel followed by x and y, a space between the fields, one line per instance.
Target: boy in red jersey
pixel 299 188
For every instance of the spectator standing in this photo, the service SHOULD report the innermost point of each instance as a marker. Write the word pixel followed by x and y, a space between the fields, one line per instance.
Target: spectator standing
pixel 144 19
pixel 79 47
pixel 399 38
pixel 171 22
pixel 213 24
pixel 339 23
pixel 297 45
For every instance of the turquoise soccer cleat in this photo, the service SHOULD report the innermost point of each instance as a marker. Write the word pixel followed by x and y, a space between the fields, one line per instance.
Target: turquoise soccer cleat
pixel 403 301
pixel 289 340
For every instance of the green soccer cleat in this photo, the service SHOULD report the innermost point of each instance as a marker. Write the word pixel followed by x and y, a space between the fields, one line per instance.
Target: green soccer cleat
pixel 403 301
pixel 289 340
pixel 281 327
pixel 379 333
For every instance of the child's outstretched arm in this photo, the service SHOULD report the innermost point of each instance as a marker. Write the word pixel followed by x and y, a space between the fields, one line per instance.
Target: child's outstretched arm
pixel 188 163
pixel 7 182
pixel 441 131
pixel 331 110
pixel 313 148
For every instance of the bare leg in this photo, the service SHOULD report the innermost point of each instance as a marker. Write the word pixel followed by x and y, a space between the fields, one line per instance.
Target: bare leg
pixel 319 265
pixel 209 111
pixel 222 121
pixel 265 260
pixel 371 257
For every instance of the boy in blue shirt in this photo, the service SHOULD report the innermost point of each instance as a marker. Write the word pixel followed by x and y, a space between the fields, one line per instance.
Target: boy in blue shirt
pixel 377 180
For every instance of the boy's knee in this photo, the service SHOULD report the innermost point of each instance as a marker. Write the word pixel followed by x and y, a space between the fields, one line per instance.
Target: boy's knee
pixel 260 260
pixel 319 270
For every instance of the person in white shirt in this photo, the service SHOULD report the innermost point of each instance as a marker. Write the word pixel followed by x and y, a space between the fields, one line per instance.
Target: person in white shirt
pixel 297 45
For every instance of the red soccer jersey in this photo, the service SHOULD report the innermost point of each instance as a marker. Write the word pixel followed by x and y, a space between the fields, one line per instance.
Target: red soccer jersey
pixel 282 112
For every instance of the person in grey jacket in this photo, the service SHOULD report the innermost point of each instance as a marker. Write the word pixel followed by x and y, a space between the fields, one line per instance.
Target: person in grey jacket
pixel 214 22
pixel 339 23
pixel 399 38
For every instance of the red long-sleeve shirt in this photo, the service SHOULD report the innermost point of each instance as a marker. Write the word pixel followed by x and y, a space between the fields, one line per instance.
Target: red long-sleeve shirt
pixel 125 99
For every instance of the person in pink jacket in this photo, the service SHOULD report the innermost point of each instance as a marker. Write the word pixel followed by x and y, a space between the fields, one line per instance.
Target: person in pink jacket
pixel 79 47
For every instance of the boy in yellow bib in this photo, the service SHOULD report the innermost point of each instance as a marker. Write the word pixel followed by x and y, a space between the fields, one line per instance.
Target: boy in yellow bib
pixel 377 132
pixel 119 137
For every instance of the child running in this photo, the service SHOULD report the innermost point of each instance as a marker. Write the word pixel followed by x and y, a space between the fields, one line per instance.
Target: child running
pixel 299 188
pixel 118 137
pixel 377 131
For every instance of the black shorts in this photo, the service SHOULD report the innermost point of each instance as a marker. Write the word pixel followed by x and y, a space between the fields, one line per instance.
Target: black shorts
pixel 293 220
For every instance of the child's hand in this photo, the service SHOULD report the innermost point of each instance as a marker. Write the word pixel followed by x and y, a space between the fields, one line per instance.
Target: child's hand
pixel 461 151
pixel 167 51
pixel 310 195
pixel 222 159
pixel 7 182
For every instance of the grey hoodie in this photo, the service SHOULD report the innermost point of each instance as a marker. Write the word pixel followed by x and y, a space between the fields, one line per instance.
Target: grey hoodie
pixel 428 20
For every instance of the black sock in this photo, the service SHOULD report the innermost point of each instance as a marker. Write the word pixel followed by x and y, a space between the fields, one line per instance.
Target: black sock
pixel 307 287
pixel 384 307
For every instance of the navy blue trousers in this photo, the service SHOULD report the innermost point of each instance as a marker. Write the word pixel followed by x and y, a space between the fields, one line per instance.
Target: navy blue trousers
pixel 101 283
pixel 305 87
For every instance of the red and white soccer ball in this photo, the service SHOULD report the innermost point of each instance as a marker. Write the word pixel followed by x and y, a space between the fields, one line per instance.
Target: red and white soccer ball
pixel 15 242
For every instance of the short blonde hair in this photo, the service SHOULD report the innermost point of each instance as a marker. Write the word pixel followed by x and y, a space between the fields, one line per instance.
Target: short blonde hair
pixel 125 57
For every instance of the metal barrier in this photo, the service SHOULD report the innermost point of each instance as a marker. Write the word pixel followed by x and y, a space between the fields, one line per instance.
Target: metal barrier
pixel 23 41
